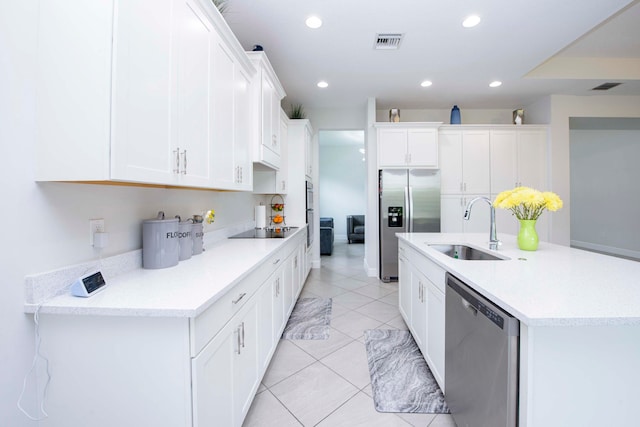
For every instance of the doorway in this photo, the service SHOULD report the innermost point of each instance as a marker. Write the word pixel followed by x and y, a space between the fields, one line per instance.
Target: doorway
pixel 342 177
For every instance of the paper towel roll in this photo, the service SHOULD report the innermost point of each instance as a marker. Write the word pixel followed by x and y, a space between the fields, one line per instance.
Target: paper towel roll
pixel 261 216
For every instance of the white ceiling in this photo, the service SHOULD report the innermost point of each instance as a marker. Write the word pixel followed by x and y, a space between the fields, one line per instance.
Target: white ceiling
pixel 535 48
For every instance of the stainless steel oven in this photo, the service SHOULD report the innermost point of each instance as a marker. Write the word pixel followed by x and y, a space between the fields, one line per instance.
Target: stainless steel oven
pixel 309 208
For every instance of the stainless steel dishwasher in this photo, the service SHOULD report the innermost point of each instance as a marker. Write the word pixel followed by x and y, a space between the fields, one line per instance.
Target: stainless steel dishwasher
pixel 481 359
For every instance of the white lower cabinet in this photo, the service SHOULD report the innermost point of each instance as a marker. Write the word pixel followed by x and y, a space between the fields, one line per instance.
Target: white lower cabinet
pixel 225 373
pixel 251 337
pixel 267 341
pixel 404 288
pixel 419 308
pixel 435 332
pixel 173 371
pixel 421 285
pixel 277 288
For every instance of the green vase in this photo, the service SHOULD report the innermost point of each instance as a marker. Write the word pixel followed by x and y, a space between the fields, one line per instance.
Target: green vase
pixel 527 236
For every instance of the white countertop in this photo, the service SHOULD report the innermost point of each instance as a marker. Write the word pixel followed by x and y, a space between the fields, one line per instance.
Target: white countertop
pixel 555 285
pixel 185 290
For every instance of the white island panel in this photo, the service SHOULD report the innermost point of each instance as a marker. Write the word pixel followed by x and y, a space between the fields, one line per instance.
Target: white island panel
pixel 579 318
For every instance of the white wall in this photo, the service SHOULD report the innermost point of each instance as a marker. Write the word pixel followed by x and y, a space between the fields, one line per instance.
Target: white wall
pixel 604 185
pixel 562 107
pixel 46 225
pixel 342 180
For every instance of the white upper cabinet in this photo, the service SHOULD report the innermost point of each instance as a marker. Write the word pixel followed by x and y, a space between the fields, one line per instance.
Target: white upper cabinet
pixel 193 38
pixel 144 149
pixel 308 152
pixel 242 130
pixel 464 161
pixel 73 104
pixel 162 84
pixel 148 80
pixel 268 181
pixel 231 115
pixel 403 146
pixel 518 158
pixel 268 92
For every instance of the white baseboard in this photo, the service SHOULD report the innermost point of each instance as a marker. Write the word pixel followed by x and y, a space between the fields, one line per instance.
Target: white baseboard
pixel 371 271
pixel 608 250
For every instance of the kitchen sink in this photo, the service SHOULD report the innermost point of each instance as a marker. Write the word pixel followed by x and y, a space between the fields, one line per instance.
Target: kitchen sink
pixel 466 253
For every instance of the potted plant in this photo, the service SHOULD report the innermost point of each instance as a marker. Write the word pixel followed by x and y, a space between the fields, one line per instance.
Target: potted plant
pixel 297 112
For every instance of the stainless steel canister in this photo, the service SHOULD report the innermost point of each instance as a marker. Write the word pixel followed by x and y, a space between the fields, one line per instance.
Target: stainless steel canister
pixel 160 246
pixel 185 239
pixel 197 231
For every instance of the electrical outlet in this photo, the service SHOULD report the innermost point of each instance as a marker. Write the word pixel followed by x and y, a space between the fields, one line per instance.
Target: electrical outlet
pixel 95 226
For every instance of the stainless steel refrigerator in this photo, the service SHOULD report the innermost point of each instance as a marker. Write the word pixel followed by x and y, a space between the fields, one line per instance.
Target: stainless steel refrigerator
pixel 409 202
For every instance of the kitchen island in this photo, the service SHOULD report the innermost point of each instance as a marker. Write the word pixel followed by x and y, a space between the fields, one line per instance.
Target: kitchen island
pixel 579 318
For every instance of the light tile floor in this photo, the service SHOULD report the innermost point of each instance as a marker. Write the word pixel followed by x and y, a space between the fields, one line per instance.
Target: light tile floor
pixel 326 382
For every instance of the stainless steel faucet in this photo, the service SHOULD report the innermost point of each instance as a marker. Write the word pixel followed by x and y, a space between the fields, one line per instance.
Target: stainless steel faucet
pixel 493 238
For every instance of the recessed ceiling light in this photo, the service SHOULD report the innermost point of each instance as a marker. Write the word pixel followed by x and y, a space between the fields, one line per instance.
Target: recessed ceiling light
pixel 322 84
pixel 495 83
pixel 471 21
pixel 313 22
pixel 426 83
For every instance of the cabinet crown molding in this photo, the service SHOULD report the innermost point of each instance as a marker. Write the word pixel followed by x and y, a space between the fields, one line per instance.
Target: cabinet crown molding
pixel 407 124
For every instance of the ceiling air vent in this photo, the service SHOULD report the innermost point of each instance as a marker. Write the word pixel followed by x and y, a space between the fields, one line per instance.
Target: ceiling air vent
pixel 387 41
pixel 606 86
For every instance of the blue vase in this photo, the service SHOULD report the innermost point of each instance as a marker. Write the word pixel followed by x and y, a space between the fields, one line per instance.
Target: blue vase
pixel 455 115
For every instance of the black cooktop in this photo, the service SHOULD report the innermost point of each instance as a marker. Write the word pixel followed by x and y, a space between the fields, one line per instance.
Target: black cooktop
pixel 266 233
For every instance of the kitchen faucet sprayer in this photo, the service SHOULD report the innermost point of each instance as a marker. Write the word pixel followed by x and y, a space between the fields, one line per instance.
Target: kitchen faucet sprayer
pixel 493 238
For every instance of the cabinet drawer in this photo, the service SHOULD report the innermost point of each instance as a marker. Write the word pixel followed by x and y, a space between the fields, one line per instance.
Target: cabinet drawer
pixel 428 268
pixel 433 272
pixel 209 323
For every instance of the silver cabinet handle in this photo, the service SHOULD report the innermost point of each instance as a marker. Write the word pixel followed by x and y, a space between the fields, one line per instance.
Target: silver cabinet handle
pixel 177 168
pixel 242 326
pixel 242 295
pixel 184 161
pixel 276 261
pixel 238 340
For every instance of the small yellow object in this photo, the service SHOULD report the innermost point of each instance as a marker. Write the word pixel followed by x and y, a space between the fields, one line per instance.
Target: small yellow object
pixel 277 219
pixel 210 216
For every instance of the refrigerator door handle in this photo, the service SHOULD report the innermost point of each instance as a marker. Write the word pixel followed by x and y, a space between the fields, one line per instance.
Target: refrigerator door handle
pixel 409 193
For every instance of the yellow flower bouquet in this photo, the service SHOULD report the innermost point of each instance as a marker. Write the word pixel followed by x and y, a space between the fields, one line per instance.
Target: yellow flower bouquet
pixel 210 216
pixel 527 203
